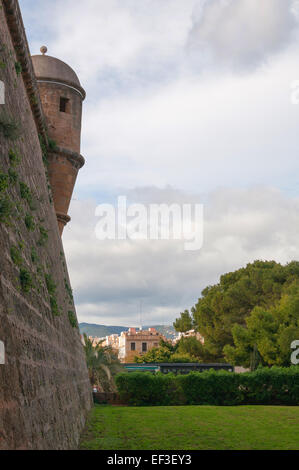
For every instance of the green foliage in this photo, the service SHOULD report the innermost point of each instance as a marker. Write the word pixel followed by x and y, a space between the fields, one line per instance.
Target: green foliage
pixel 18 68
pixel 73 319
pixel 16 255
pixel 51 286
pixel 29 222
pixel 276 386
pixel 13 176
pixel 6 209
pixel 54 306
pixel 14 158
pixel 223 308
pixel 34 256
pixel 144 389
pixel 25 280
pixel 182 358
pixel 186 350
pixel 9 127
pixel 161 354
pixel 184 323
pixel 69 290
pixel 192 347
pixel 44 150
pixel 43 236
pixel 25 192
pixel 268 333
pixel 27 195
pixel 52 144
pixel 4 182
pixel 103 365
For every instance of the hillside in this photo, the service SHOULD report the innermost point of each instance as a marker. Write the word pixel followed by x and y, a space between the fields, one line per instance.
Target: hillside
pixel 100 331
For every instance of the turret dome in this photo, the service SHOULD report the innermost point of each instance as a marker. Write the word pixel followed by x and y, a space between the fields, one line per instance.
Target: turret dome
pixel 50 68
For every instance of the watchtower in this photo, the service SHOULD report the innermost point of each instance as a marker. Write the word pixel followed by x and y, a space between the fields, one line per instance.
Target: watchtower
pixel 62 97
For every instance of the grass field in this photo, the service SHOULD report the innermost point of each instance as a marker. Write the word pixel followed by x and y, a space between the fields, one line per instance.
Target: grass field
pixel 192 428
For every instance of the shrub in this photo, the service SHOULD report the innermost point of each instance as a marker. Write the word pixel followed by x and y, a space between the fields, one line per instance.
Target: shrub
pixel 13 176
pixel 9 127
pixel 54 306
pixel 25 192
pixel 34 256
pixel 18 68
pixel 69 291
pixel 210 388
pixel 14 157
pixel 51 286
pixel 6 209
pixel 43 236
pixel 145 389
pixel 73 319
pixel 16 255
pixel 4 182
pixel 276 386
pixel 29 222
pixel 25 280
pixel 52 144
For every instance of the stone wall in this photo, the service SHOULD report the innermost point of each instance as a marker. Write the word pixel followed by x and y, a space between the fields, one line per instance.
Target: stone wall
pixel 44 388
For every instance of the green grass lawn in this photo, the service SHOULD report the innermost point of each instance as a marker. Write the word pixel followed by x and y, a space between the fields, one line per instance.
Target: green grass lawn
pixel 192 428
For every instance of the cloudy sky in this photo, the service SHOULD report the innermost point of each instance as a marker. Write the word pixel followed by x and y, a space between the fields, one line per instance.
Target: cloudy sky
pixel 187 101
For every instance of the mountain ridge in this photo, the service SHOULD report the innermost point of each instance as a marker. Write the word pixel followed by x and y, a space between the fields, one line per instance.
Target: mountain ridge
pixel 100 331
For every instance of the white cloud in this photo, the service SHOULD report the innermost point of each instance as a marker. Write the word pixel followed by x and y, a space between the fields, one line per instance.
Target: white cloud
pixel 241 33
pixel 111 277
pixel 165 108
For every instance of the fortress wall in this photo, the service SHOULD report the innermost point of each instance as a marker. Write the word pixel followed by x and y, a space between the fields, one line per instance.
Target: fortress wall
pixel 44 387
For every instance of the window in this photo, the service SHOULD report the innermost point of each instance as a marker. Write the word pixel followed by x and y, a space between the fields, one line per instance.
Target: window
pixel 133 346
pixel 144 347
pixel 64 105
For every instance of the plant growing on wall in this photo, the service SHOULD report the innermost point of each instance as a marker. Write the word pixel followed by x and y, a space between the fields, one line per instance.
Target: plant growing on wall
pixel 29 222
pixel 25 280
pixel 9 127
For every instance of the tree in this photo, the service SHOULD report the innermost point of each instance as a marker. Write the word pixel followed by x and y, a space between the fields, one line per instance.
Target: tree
pixel 192 347
pixel 223 308
pixel 161 354
pixel 102 364
pixel 185 350
pixel 268 334
pixel 184 323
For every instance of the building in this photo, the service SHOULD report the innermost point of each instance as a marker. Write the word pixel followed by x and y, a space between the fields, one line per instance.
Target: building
pixel 189 334
pixel 112 341
pixel 134 343
pixel 95 341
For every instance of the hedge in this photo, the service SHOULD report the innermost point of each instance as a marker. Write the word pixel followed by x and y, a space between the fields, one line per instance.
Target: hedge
pixel 275 386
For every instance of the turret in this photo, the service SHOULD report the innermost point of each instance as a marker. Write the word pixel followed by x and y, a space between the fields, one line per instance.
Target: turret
pixel 62 97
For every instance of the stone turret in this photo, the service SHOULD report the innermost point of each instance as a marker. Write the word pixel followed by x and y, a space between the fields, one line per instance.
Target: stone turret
pixel 62 97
